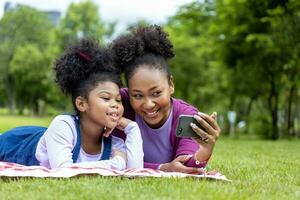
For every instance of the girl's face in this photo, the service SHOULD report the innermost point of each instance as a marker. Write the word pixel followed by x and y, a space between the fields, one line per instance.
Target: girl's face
pixel 150 95
pixel 103 106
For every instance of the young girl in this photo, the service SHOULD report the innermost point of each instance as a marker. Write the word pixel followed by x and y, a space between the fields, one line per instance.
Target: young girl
pixel 87 73
pixel 143 54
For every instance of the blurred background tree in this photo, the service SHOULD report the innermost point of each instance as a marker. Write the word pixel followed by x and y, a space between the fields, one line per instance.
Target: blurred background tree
pixel 19 30
pixel 240 56
pixel 82 20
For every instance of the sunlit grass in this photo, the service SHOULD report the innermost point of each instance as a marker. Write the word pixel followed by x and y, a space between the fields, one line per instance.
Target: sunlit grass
pixel 9 121
pixel 258 170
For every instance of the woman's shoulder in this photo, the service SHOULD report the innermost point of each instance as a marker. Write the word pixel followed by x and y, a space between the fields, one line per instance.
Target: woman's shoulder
pixel 128 110
pixel 182 107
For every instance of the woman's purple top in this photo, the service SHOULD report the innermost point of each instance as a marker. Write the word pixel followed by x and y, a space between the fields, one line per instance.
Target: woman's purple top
pixel 156 143
pixel 179 146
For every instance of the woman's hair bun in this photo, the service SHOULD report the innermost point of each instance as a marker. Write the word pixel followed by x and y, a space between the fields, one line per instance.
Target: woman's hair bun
pixel 126 48
pixel 140 41
pixel 156 40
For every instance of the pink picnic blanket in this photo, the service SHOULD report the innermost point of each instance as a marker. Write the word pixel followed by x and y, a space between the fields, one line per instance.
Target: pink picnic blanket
pixel 16 170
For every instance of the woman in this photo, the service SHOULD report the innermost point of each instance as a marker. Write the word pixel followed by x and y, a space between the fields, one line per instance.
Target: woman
pixel 143 55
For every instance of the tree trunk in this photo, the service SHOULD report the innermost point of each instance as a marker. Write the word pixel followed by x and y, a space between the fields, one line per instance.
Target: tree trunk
pixel 290 130
pixel 247 114
pixel 8 85
pixel 273 107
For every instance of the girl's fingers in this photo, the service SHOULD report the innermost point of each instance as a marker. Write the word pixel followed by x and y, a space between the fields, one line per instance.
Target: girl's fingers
pixel 107 132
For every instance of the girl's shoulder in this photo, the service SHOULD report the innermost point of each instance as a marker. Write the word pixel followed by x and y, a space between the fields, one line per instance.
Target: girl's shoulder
pixel 67 117
pixel 63 125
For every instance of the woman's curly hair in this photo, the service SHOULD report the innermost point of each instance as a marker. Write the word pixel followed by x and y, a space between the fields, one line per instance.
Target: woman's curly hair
pixel 143 46
pixel 155 40
pixel 82 66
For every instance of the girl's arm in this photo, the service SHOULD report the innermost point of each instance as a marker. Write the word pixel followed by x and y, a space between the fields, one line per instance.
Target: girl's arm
pixel 54 149
pixel 116 161
pixel 133 143
pixel 125 155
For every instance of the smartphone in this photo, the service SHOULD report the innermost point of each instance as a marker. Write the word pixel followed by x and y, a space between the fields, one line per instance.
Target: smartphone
pixel 184 129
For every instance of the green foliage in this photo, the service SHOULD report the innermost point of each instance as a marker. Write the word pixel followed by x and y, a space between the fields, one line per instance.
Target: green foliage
pixel 18 29
pixel 34 73
pixel 235 55
pixel 230 55
pixel 82 20
pixel 191 34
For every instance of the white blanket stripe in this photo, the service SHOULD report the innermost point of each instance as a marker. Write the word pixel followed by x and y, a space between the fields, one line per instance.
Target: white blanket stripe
pixel 16 170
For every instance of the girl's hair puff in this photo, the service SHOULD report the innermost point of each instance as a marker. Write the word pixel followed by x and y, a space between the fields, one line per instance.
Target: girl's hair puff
pixel 84 65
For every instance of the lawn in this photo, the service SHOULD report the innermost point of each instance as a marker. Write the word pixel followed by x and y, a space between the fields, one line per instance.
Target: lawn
pixel 9 121
pixel 258 170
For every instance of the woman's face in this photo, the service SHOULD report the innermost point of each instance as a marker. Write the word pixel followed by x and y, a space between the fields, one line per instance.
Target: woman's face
pixel 150 95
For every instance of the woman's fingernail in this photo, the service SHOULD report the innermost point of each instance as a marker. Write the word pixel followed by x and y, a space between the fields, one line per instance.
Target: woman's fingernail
pixel 197 117
pixel 193 125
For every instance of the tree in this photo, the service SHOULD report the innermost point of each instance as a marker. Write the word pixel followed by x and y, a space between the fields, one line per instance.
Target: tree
pixel 285 30
pixel 82 20
pixel 32 77
pixel 18 28
pixel 251 46
pixel 193 66
pixel 239 55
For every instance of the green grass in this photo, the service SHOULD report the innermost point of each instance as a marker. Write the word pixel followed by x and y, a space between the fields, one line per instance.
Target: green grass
pixel 9 121
pixel 258 170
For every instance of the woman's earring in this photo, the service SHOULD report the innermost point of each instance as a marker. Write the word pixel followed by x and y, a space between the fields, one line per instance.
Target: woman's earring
pixel 104 129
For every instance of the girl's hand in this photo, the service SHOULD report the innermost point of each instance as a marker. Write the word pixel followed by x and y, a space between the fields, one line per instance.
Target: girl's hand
pixel 123 122
pixel 107 131
pixel 177 165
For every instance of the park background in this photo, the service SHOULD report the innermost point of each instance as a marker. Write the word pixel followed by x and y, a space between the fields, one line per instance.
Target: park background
pixel 237 57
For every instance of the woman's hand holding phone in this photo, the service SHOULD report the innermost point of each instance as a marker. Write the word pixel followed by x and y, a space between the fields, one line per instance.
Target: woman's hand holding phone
pixel 202 128
pixel 209 134
pixel 209 131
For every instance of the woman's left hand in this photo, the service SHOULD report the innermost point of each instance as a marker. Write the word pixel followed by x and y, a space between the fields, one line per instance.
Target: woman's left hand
pixel 209 133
